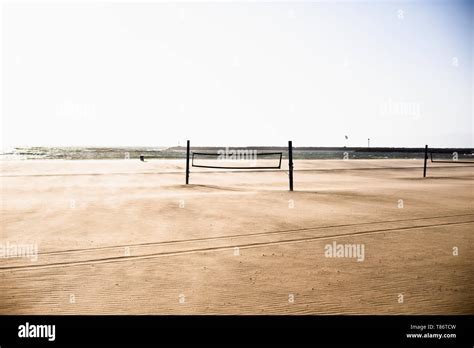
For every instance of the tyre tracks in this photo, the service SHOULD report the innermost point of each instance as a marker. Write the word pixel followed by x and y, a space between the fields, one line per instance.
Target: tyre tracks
pixel 138 251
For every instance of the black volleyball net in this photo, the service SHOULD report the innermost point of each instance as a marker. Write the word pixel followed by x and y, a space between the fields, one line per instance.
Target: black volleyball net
pixel 453 157
pixel 465 157
pixel 238 159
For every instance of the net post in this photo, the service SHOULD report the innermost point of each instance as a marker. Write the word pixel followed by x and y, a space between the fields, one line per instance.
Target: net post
pixel 426 159
pixel 290 163
pixel 187 162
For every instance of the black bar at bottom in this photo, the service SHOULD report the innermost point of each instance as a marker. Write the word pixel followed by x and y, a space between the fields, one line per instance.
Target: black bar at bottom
pixel 222 330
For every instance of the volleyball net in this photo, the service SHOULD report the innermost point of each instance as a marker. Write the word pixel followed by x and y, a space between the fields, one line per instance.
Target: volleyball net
pixel 238 159
pixel 447 156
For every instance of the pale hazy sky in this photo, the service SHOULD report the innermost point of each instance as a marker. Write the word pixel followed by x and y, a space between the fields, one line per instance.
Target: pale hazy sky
pixel 237 73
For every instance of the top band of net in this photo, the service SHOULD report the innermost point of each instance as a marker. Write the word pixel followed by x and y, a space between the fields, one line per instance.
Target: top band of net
pixel 235 167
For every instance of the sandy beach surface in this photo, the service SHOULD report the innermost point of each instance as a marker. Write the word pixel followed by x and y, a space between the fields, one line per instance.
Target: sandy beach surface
pixel 128 237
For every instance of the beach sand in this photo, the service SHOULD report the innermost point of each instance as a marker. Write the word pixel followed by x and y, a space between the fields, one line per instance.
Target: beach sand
pixel 128 237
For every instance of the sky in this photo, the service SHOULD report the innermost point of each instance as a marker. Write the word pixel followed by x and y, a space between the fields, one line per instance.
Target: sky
pixel 237 73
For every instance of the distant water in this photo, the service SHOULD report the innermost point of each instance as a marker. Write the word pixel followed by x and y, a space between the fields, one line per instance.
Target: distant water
pixel 89 153
pixel 98 153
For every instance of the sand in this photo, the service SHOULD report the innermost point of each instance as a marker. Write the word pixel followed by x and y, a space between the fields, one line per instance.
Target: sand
pixel 128 237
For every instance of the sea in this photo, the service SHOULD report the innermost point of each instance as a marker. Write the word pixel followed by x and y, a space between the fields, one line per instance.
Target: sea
pixel 177 152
